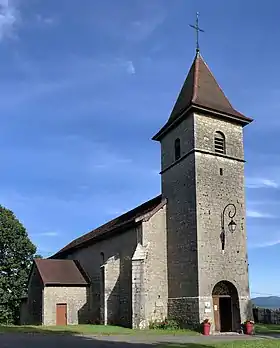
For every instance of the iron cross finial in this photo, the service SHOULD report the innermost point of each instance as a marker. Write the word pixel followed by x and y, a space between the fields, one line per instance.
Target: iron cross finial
pixel 197 29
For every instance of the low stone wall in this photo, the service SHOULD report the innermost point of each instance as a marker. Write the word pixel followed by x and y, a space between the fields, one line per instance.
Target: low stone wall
pixel 266 316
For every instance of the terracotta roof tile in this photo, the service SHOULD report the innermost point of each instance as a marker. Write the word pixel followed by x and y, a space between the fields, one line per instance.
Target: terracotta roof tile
pixel 201 89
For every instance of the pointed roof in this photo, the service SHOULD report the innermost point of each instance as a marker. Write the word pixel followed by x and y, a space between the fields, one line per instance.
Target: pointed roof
pixel 201 91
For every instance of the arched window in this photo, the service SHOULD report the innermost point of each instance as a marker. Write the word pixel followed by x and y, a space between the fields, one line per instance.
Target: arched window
pixel 102 258
pixel 219 142
pixel 177 147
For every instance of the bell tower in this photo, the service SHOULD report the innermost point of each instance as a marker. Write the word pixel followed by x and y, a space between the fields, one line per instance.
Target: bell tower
pixel 202 172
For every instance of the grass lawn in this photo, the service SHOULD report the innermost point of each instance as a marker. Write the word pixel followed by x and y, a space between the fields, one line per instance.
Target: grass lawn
pixel 267 328
pixel 115 330
pixel 91 330
pixel 236 344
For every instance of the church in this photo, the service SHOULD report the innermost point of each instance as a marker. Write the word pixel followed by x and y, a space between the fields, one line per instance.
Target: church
pixel 181 255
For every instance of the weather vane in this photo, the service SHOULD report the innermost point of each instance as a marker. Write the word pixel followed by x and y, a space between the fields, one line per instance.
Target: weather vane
pixel 197 29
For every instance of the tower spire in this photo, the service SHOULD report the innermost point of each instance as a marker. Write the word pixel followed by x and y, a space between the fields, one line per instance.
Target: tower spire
pixel 198 30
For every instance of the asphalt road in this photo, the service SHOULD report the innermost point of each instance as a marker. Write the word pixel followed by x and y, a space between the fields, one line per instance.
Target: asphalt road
pixel 13 340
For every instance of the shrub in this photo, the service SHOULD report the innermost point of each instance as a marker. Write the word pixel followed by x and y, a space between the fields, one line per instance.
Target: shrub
pixel 164 325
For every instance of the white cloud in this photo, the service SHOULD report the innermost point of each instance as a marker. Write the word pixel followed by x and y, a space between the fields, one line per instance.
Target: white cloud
pixel 46 234
pixel 130 67
pixel 132 24
pixel 256 214
pixel 9 15
pixel 45 79
pixel 256 183
pixel 141 29
pixel 45 20
pixel 127 65
pixel 116 212
pixel 105 159
pixel 264 202
pixel 112 162
pixel 265 244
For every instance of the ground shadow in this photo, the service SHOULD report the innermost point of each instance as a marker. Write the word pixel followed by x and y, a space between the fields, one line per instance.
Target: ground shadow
pixel 16 337
pixel 267 330
pixel 33 337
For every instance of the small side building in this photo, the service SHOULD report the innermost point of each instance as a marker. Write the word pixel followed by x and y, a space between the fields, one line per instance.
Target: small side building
pixel 57 294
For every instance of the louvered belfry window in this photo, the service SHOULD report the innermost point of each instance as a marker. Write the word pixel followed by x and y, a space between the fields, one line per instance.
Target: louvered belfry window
pixel 219 143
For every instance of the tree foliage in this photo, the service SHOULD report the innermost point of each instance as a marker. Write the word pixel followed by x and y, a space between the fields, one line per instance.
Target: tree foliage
pixel 16 255
pixel 37 256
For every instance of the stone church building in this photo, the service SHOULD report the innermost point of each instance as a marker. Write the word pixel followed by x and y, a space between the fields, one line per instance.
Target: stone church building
pixel 181 255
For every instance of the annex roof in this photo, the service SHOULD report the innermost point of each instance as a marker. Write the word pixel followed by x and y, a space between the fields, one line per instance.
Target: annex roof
pixel 60 272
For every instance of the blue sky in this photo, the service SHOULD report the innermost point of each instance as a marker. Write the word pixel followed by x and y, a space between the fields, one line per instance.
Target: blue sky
pixel 85 85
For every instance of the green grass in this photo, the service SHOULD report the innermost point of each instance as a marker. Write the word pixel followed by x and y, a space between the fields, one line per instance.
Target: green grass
pixel 234 344
pixel 168 332
pixel 267 328
pixel 91 330
pixel 70 329
pixel 116 330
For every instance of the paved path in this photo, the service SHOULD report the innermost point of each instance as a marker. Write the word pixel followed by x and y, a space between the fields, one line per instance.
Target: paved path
pixel 69 341
pixel 270 335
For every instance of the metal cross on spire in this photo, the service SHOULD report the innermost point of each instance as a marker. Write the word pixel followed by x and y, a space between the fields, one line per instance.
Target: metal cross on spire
pixel 197 29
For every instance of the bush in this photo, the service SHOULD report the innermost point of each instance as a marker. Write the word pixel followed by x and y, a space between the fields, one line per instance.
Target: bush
pixel 164 325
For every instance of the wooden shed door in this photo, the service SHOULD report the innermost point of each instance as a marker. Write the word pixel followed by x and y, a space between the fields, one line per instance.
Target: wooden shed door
pixel 61 314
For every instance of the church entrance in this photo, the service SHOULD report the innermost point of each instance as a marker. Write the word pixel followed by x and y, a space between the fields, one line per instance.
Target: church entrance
pixel 226 307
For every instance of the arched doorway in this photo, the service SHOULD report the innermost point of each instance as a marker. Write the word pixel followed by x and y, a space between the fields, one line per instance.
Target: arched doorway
pixel 226 307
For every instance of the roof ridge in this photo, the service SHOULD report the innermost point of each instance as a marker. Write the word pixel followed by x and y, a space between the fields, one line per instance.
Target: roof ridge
pixel 196 70
pixel 114 225
pixel 201 90
pixel 217 83
pixel 60 271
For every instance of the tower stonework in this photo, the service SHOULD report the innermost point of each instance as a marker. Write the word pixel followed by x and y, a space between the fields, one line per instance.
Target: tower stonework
pixel 202 169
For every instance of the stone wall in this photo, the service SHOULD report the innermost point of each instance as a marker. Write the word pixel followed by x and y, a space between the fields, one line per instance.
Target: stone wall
pixel 138 294
pixel 198 186
pixel 178 186
pixel 126 291
pixel 111 288
pixel 117 268
pixel 184 310
pixel 74 297
pixel 213 192
pixel 185 132
pixel 155 268
pixel 267 316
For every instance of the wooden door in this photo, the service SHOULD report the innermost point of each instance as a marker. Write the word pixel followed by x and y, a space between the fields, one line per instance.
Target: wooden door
pixel 61 314
pixel 216 309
